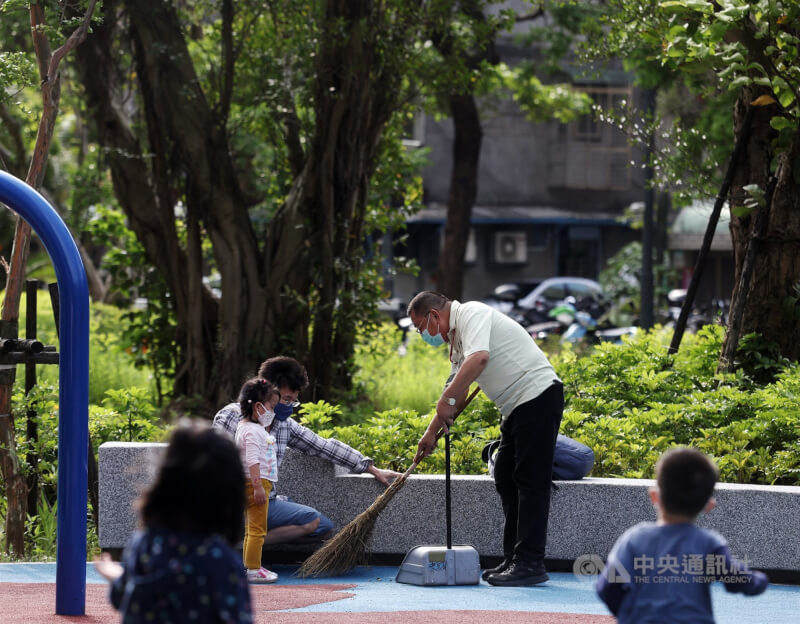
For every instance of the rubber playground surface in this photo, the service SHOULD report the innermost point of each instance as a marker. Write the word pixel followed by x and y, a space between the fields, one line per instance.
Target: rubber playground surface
pixel 370 595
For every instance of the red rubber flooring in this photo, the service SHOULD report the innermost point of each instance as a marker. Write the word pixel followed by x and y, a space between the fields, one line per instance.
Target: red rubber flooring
pixel 34 603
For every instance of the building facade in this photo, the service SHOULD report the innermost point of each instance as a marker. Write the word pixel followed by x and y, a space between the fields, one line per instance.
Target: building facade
pixel 551 196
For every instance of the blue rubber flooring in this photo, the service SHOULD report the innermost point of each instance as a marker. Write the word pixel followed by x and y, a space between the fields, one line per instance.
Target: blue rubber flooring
pixel 376 590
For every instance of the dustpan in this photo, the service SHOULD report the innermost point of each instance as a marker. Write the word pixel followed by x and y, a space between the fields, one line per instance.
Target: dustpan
pixel 441 565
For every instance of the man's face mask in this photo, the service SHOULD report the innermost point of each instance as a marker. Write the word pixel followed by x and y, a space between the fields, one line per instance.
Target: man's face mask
pixel 436 340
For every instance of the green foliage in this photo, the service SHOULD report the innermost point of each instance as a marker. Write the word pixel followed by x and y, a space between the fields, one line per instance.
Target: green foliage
pixel 41 532
pixel 127 415
pixel 149 330
pixel 390 437
pixel 110 363
pixel 122 407
pixel 16 71
pixel 631 402
pixel 387 380
pixel 538 100
pixel 628 402
pixel 709 52
pixel 620 280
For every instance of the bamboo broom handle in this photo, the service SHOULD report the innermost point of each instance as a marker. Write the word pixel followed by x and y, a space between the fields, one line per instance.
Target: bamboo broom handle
pixel 440 433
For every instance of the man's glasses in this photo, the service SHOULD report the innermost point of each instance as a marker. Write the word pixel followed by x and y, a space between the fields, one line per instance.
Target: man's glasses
pixel 419 331
pixel 291 402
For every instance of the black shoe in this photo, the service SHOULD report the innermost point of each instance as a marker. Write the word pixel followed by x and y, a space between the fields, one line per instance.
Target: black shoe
pixel 496 570
pixel 520 573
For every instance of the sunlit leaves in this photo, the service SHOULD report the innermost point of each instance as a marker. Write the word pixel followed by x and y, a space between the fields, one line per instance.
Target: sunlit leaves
pixel 17 70
pixel 714 51
pixel 539 101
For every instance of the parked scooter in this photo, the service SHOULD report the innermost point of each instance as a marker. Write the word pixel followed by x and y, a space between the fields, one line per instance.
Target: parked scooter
pixel 561 317
pixel 714 312
pixel 587 329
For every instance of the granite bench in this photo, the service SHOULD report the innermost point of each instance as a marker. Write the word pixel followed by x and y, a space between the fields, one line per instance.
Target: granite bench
pixel 761 523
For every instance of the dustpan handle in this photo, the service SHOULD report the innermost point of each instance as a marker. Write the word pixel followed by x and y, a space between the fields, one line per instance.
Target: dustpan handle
pixel 440 433
pixel 447 499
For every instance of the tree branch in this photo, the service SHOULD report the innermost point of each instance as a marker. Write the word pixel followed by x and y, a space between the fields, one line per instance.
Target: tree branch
pixel 228 61
pixel 291 127
pixel 70 44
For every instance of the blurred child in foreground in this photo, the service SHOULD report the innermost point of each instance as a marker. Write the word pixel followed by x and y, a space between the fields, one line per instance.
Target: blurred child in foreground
pixel 181 567
pixel 662 571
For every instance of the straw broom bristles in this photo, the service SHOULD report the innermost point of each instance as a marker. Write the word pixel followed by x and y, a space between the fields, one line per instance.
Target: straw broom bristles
pixel 346 549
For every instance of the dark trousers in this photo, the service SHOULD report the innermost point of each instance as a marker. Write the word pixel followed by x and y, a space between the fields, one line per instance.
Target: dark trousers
pixel 523 472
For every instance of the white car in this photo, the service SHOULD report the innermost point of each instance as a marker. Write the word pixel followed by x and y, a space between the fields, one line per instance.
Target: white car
pixel 555 289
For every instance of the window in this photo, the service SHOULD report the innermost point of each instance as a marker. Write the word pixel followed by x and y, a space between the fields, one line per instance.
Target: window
pixel 595 154
pixel 590 129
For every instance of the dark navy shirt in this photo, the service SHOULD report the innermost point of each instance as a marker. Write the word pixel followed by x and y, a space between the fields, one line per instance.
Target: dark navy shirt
pixel 662 573
pixel 178 578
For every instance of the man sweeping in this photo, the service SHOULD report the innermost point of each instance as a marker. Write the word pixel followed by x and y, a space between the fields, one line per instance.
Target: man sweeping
pixel 491 349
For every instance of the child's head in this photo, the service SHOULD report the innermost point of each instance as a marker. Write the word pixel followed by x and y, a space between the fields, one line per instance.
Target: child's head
pixel 199 487
pixel 686 480
pixel 257 396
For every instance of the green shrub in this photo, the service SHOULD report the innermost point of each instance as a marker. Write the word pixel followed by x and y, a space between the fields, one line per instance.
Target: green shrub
pixel 110 366
pixel 631 402
pixel 127 416
pixel 121 407
pixel 628 402
pixel 390 437
pixel 386 380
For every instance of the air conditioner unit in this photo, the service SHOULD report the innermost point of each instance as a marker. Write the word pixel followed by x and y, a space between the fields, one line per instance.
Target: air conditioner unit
pixel 510 248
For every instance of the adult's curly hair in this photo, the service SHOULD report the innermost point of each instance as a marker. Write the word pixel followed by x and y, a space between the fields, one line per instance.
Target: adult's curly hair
pixel 284 372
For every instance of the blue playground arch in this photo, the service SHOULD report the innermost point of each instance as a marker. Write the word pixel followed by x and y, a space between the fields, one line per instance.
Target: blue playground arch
pixel 73 382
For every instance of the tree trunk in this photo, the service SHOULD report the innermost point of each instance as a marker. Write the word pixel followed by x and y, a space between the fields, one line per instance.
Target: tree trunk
pixel 461 198
pixel 314 238
pixel 776 268
pixel 646 312
pixel 219 345
pixel 356 93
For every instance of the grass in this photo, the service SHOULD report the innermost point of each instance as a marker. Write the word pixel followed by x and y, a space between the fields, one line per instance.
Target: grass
pixel 388 380
pixel 111 370
pixel 110 367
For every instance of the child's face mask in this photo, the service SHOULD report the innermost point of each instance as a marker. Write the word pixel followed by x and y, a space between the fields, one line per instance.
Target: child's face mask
pixel 265 416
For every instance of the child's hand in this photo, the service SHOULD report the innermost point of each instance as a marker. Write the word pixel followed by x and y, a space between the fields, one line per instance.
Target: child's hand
pixel 259 494
pixel 108 569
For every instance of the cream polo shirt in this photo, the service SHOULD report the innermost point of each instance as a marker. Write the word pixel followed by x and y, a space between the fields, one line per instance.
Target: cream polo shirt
pixel 518 371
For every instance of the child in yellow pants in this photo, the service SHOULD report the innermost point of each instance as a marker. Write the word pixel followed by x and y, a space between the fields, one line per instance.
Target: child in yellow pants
pixel 257 400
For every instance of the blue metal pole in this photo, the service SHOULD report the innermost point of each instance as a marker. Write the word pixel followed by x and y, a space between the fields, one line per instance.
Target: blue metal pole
pixel 73 414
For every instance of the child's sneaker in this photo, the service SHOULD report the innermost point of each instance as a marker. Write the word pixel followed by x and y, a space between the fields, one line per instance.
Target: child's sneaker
pixel 262 575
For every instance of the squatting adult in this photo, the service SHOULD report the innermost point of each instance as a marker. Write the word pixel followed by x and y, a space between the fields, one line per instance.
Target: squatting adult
pixel 288 520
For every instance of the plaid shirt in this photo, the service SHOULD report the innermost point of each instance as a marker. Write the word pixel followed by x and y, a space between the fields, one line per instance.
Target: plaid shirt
pixel 291 433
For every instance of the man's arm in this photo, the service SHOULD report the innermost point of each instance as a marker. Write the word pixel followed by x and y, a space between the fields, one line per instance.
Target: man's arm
pixel 470 370
pixel 457 389
pixel 306 441
pixel 227 419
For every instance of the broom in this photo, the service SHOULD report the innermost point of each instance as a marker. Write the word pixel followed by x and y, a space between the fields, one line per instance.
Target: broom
pixel 346 549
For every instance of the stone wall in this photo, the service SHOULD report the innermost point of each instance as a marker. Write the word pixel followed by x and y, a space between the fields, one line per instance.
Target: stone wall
pixel 761 523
